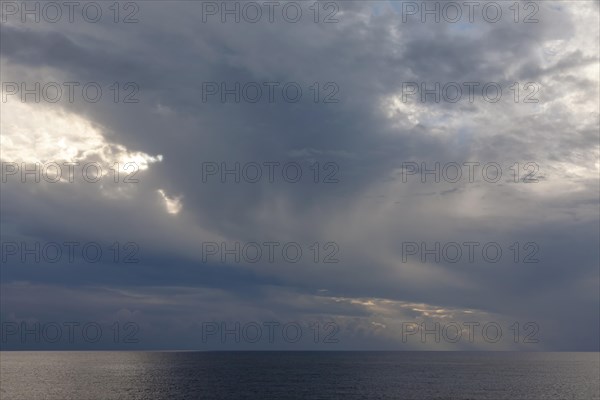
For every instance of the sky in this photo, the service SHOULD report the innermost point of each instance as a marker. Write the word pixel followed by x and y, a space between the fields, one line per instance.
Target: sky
pixel 344 175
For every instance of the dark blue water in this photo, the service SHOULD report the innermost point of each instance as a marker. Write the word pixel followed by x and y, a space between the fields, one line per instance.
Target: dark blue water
pixel 299 375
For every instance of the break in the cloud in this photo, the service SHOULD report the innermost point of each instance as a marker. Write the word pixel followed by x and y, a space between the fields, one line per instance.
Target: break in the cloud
pixel 364 215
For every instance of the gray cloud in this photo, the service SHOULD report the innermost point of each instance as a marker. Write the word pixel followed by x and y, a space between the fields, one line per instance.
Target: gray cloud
pixel 369 134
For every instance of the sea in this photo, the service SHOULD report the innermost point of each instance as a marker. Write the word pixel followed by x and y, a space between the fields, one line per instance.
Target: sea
pixel 88 375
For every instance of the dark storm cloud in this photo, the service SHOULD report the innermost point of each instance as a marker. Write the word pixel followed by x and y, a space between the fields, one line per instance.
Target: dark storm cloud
pixel 170 54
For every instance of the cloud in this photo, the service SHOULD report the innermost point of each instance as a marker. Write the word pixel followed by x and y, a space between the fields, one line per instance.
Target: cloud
pixel 362 143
